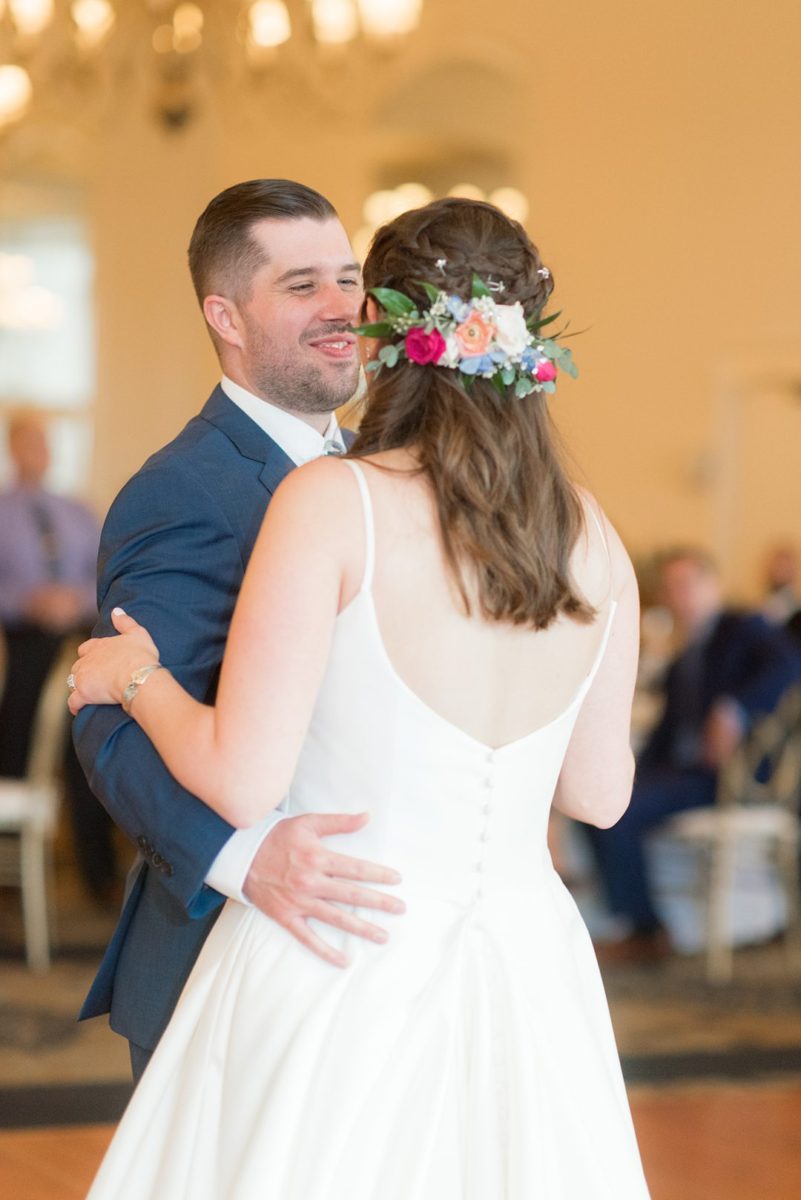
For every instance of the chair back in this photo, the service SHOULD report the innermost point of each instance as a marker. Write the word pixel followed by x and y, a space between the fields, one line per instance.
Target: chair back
pixel 766 768
pixel 52 714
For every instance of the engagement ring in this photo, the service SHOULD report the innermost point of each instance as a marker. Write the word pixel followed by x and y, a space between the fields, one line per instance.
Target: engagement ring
pixel 71 684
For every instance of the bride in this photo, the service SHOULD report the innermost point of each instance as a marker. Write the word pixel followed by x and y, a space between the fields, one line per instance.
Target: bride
pixel 468 649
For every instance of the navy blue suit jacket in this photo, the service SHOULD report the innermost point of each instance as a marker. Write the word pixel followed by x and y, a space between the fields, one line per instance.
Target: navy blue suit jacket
pixel 744 659
pixel 173 553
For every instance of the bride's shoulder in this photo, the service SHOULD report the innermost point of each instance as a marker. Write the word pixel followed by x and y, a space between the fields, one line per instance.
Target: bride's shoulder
pixel 600 550
pixel 324 488
pixel 321 477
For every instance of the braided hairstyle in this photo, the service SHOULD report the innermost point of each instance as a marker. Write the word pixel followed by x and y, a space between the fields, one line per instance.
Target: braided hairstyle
pixel 509 515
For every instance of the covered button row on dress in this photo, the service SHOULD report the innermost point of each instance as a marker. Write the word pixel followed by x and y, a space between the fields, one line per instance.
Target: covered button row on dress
pixel 485 813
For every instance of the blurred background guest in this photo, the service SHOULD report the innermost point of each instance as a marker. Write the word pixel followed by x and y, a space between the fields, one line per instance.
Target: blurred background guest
pixel 731 668
pixel 782 600
pixel 48 562
pixel 782 603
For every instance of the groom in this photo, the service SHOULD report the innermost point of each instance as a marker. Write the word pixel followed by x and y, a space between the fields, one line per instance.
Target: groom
pixel 275 278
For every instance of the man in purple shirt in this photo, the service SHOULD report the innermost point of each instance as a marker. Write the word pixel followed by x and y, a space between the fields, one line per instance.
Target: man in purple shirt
pixel 48 562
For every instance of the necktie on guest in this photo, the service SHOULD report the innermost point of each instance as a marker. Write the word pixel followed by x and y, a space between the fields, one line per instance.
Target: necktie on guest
pixel 47 537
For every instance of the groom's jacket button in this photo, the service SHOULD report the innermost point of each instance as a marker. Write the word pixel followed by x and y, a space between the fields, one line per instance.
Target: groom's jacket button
pixel 157 860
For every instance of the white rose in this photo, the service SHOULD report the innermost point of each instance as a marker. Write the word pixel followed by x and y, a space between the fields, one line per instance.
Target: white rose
pixel 512 336
pixel 451 354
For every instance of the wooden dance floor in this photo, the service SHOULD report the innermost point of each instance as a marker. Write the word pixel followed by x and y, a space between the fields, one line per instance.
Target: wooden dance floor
pixel 707 1143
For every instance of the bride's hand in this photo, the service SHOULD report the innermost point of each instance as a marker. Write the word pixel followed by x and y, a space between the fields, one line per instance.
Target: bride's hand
pixel 104 666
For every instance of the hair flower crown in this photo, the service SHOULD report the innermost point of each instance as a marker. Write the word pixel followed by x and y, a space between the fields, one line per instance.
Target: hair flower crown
pixel 476 337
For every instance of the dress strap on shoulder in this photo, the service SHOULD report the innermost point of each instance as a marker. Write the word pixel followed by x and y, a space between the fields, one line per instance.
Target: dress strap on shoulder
pixel 591 505
pixel 369 524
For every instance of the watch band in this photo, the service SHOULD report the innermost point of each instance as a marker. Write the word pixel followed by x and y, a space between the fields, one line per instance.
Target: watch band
pixel 134 684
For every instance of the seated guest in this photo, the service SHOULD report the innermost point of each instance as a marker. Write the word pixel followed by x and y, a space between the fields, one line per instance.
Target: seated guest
pixel 48 564
pixel 782 599
pixel 733 668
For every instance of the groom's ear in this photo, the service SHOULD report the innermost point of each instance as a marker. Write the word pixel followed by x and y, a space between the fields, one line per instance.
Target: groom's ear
pixel 222 317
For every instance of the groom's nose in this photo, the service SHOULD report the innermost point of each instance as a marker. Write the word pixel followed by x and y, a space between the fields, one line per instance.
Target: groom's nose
pixel 338 304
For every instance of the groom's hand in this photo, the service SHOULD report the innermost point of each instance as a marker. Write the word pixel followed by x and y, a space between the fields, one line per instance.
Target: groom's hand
pixel 295 876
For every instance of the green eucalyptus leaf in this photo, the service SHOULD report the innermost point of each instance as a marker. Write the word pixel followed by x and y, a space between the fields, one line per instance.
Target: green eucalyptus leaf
pixel 549 386
pixel 378 329
pixel 429 289
pixel 508 375
pixel 392 302
pixel 479 288
pixel 523 387
pixel 541 322
pixel 566 363
pixel 389 355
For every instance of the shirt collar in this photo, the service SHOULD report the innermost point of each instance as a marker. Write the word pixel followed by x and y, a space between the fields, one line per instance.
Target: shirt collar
pixel 298 440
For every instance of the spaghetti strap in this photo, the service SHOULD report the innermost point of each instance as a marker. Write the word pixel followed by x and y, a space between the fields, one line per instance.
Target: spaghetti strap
pixel 369 525
pixel 602 531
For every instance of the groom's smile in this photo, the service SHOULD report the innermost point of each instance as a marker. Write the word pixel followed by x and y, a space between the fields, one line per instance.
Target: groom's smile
pixel 339 345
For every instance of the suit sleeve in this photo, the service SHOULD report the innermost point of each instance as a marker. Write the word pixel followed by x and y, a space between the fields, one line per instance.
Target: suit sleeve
pixel 656 748
pixel 771 664
pixel 169 558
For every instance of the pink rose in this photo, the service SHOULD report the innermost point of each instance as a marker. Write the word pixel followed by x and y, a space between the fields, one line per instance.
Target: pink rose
pixel 474 335
pixel 422 347
pixel 545 371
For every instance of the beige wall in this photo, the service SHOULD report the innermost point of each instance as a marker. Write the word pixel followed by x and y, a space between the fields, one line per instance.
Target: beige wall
pixel 659 143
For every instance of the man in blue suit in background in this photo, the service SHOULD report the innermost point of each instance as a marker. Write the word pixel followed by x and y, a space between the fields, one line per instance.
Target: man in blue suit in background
pixel 275 277
pixel 733 668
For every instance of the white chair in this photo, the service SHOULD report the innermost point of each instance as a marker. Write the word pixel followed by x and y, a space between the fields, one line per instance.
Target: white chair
pixel 765 813
pixel 29 810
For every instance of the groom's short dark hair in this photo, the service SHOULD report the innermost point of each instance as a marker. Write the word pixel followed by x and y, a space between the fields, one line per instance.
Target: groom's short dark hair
pixel 223 255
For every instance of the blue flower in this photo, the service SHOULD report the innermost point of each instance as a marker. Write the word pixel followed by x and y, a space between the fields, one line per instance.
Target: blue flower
pixel 458 308
pixel 477 364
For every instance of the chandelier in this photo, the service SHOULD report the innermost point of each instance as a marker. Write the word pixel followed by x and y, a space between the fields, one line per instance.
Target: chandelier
pixel 44 42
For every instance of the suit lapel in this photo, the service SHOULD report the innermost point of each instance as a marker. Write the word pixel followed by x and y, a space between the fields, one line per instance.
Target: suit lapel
pixel 251 441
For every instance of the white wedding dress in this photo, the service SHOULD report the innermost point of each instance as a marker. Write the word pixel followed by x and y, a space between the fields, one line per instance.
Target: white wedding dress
pixel 469 1058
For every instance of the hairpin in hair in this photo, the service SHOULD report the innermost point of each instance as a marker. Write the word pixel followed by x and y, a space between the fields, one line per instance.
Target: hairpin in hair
pixel 441 264
pixel 543 272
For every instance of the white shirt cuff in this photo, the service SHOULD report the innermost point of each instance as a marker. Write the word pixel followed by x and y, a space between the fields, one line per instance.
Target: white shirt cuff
pixel 228 872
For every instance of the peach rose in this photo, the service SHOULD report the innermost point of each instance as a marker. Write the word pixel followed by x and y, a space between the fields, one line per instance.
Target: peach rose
pixel 474 335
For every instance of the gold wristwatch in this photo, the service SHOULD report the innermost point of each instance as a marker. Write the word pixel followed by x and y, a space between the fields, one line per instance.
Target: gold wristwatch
pixel 134 684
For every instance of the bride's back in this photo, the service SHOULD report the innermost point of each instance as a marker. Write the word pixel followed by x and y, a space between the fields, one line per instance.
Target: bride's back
pixel 496 681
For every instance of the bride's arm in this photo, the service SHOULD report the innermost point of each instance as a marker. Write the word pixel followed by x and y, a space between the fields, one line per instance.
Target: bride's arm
pixel 239 756
pixel 598 770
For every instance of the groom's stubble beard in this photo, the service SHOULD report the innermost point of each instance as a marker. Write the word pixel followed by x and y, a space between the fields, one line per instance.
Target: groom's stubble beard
pixel 280 376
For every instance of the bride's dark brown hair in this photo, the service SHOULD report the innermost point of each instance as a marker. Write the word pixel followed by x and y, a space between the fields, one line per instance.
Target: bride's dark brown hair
pixel 510 516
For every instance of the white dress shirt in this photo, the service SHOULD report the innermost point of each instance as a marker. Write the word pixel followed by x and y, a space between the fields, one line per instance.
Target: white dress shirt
pixel 302 443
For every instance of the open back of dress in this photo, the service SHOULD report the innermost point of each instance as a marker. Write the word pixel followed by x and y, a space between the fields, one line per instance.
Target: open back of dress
pixel 469 1058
